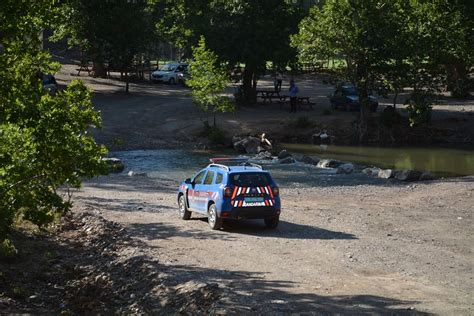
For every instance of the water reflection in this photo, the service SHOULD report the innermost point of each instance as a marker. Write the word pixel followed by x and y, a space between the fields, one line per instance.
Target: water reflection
pixel 441 161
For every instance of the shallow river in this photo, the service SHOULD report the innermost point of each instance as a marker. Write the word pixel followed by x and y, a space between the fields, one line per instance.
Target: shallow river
pixel 177 165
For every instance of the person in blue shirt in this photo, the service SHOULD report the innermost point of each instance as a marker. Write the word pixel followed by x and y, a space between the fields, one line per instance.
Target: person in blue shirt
pixel 293 95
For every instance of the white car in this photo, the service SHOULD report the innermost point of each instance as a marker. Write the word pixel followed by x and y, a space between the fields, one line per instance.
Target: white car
pixel 168 73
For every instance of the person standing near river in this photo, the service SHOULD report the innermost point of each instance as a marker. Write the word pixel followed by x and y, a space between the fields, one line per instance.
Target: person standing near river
pixel 293 96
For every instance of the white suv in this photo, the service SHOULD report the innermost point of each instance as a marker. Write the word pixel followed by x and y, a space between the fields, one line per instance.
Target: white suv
pixel 168 73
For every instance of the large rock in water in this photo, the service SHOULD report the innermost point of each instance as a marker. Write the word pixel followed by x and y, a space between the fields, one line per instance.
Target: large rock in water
pixel 373 172
pixel 310 160
pixel 426 176
pixel 247 145
pixel 287 160
pixel 407 175
pixel 264 155
pixel 329 163
pixel 345 168
pixel 385 173
pixel 284 154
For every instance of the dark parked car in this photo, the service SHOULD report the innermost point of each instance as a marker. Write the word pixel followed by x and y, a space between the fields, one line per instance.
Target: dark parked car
pixel 347 97
pixel 50 84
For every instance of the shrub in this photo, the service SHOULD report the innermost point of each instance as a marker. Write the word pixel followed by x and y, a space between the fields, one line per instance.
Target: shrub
pixel 7 249
pixel 419 108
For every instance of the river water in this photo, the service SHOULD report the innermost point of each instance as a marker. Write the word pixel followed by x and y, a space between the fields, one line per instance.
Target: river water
pixel 441 161
pixel 177 165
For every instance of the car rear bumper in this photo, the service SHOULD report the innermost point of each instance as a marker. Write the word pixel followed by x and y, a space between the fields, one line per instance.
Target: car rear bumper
pixel 250 213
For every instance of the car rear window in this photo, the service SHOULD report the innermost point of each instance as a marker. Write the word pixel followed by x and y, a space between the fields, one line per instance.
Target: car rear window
pixel 219 178
pixel 257 179
pixel 209 177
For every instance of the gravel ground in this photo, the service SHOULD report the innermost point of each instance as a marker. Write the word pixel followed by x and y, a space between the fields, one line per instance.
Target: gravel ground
pixel 375 249
pixel 380 248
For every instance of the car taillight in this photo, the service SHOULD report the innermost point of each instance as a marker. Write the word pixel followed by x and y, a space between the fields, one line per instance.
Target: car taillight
pixel 227 192
pixel 276 191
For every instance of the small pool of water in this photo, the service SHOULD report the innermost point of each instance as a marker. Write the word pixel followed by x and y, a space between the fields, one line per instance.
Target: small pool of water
pixel 441 161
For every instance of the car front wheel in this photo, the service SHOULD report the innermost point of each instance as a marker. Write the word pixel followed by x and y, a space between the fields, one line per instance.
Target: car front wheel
pixel 171 81
pixel 214 221
pixel 183 211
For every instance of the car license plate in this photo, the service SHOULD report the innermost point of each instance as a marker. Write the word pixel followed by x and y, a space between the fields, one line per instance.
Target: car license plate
pixel 253 199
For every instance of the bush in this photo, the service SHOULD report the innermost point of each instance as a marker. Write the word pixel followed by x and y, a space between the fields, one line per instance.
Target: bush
pixel 390 117
pixel 302 122
pixel 419 108
pixel 7 249
pixel 213 133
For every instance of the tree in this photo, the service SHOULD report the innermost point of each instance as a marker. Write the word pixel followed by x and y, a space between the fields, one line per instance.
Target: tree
pixel 44 140
pixel 241 31
pixel 208 81
pixel 116 32
pixel 357 32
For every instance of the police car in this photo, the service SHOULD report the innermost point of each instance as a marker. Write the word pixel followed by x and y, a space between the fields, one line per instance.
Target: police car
pixel 230 189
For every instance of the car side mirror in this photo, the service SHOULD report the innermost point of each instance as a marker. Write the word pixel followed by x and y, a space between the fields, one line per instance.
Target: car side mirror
pixel 188 181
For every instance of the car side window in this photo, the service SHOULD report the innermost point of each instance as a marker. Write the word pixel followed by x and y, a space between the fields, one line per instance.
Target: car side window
pixel 199 177
pixel 209 177
pixel 219 178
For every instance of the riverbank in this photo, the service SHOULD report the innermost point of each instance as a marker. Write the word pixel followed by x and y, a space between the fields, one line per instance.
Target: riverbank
pixel 156 116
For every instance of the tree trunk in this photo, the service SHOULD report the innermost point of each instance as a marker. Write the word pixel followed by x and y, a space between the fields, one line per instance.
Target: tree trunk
pixel 98 69
pixel 126 82
pixel 249 85
pixel 364 114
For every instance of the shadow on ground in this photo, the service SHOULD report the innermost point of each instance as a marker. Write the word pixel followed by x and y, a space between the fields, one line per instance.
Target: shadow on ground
pixel 231 230
pixel 110 272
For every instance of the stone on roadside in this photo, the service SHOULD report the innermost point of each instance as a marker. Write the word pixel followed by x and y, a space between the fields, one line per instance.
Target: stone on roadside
pixel 373 172
pixel 284 154
pixel 310 160
pixel 329 163
pixel 345 168
pixel 385 173
pixel 407 175
pixel 287 160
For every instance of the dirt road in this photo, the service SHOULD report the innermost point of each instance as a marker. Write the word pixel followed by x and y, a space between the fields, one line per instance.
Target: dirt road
pixel 370 249
pixel 351 249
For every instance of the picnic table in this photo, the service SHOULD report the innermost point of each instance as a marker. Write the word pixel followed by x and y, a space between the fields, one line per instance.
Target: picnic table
pixel 83 66
pixel 301 102
pixel 270 95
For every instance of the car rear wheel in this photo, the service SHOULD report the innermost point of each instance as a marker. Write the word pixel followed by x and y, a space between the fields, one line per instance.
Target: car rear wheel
pixel 183 211
pixel 272 222
pixel 214 221
pixel 171 81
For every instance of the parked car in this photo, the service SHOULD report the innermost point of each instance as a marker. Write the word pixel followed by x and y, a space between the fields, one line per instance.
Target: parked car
pixel 183 76
pixel 347 97
pixel 168 73
pixel 49 84
pixel 235 190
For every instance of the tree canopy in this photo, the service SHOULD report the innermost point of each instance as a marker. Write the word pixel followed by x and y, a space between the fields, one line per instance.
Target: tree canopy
pixel 44 140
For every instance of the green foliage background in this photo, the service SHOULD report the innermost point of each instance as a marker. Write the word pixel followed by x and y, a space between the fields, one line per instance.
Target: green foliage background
pixel 44 140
